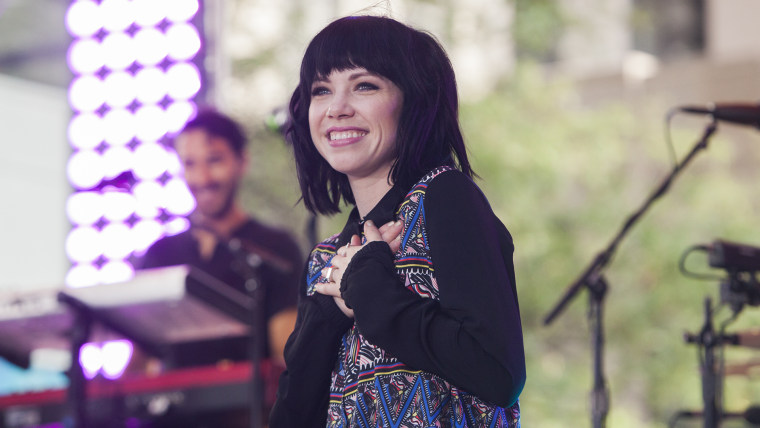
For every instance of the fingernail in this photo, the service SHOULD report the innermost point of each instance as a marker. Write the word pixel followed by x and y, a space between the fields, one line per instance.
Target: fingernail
pixel 397 222
pixel 369 222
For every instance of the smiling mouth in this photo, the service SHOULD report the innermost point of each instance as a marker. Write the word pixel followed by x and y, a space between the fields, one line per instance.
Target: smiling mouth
pixel 346 134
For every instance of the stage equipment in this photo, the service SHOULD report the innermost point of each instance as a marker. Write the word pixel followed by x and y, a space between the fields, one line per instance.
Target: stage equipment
pixel 593 279
pixel 738 113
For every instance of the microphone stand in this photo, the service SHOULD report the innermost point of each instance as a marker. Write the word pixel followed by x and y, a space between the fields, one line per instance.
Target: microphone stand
pixel 250 268
pixel 593 279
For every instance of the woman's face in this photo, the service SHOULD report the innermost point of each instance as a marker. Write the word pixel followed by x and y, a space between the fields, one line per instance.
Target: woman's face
pixel 353 117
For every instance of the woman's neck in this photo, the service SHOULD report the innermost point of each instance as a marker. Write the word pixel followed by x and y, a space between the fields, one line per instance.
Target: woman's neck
pixel 368 192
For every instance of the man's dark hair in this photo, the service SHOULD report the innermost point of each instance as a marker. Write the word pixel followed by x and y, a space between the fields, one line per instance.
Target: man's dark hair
pixel 428 132
pixel 221 126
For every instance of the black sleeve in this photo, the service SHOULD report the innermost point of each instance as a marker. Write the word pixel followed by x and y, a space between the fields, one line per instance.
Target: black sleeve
pixel 472 336
pixel 310 355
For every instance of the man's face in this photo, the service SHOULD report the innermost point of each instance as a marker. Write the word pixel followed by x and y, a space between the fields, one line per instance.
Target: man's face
pixel 212 171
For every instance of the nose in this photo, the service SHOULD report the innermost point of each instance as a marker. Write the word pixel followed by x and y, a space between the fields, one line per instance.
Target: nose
pixel 197 176
pixel 339 107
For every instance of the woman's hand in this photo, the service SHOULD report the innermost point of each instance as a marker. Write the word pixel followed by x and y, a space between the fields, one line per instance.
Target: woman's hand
pixel 389 232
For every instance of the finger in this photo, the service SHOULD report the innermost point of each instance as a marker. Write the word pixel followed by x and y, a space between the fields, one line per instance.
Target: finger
pixel 391 232
pixel 395 244
pixel 371 232
pixel 328 289
pixel 356 241
pixel 386 226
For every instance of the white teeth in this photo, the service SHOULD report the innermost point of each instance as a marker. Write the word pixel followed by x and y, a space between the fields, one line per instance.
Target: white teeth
pixel 346 134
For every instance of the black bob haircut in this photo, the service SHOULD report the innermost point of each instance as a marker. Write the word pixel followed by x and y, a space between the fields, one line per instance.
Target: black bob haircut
pixel 428 131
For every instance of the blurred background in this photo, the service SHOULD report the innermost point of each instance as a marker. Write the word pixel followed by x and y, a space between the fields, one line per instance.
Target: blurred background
pixel 570 110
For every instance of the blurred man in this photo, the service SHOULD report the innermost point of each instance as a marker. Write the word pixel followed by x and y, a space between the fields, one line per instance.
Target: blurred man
pixel 211 149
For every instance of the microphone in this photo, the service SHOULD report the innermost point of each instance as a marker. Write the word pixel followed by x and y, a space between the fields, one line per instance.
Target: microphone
pixel 739 113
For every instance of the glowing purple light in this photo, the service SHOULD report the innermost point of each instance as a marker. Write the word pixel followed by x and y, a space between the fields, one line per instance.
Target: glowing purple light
pixel 116 356
pixel 117 160
pixel 151 85
pixel 178 113
pixel 86 93
pixel 152 120
pixel 90 359
pixel 119 51
pixel 183 41
pixel 150 161
pixel 118 206
pixel 184 81
pixel 179 200
pixel 109 358
pixel 182 10
pixel 149 196
pixel 120 126
pixel 117 15
pixel 82 275
pixel 84 208
pixel 83 244
pixel 117 240
pixel 85 56
pixel 120 89
pixel 86 131
pixel 149 12
pixel 83 18
pixel 151 46
pixel 116 271
pixel 177 225
pixel 85 169
pixel 134 84
pixel 145 233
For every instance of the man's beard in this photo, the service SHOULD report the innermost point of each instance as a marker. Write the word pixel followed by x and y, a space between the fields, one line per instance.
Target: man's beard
pixel 225 208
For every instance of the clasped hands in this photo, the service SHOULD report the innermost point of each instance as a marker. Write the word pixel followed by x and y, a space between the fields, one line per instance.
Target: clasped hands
pixel 389 232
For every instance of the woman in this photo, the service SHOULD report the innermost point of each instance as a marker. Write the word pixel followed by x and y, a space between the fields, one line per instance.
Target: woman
pixel 414 323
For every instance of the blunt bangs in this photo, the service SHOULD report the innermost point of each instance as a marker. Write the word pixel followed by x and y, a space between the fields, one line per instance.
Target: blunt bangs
pixel 379 45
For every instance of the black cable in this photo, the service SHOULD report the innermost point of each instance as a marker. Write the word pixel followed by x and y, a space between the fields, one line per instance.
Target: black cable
pixel 696 275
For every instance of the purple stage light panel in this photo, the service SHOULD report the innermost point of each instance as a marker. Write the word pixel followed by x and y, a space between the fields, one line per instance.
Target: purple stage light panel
pixel 135 83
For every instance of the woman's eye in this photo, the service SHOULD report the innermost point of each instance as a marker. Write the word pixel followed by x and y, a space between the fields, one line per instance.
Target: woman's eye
pixel 319 90
pixel 366 86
